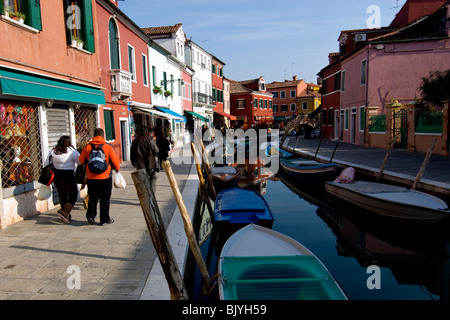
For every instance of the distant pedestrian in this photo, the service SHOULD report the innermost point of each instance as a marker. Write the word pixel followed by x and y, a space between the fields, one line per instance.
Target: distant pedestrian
pixel 142 155
pixel 164 147
pixel 65 158
pixel 99 175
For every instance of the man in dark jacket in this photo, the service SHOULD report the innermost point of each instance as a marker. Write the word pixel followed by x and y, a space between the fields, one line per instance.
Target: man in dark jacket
pixel 142 153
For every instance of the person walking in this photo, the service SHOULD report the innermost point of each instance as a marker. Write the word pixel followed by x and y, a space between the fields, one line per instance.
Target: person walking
pixel 142 155
pixel 100 159
pixel 65 158
pixel 163 145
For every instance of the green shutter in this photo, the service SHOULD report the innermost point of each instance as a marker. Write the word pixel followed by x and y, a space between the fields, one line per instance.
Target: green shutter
pixel 88 29
pixel 2 7
pixel 32 11
pixel 109 124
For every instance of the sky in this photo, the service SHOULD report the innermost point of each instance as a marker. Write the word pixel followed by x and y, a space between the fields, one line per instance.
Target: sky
pixel 273 39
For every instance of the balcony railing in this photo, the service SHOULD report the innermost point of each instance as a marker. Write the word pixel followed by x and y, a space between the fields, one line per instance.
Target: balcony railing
pixel 203 98
pixel 120 84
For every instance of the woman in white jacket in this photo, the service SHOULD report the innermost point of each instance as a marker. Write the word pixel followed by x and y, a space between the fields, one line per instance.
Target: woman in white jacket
pixel 65 158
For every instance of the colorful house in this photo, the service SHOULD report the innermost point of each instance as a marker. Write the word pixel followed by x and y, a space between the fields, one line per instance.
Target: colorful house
pixel 251 103
pixel 221 118
pixel 285 97
pixel 309 99
pixel 50 87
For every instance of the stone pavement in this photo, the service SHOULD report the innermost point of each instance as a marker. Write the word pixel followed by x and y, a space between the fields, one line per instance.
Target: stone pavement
pixel 41 256
pixel 402 165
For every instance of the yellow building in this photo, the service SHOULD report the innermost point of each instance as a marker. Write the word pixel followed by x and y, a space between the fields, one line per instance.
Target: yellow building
pixel 309 99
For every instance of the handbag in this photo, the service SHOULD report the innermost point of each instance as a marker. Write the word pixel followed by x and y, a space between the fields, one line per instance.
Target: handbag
pixel 47 174
pixel 80 174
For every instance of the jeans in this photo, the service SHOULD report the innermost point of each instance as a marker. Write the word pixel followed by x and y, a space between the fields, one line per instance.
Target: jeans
pixel 99 190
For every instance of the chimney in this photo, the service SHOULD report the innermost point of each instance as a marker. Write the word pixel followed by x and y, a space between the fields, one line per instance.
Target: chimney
pixel 294 78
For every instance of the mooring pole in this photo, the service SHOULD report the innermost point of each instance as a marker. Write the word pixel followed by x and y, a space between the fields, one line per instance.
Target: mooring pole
pixel 386 157
pixel 188 228
pixel 156 228
pixel 424 164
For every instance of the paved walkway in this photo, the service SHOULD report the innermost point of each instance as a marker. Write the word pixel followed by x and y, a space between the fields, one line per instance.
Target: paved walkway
pixel 402 165
pixel 40 256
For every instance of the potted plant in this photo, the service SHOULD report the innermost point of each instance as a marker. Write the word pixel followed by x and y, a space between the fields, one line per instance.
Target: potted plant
pixel 157 90
pixel 77 42
pixel 167 93
pixel 17 16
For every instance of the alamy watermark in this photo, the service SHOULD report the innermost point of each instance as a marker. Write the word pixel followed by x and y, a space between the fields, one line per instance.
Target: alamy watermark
pixel 374 280
pixel 374 20
pixel 74 280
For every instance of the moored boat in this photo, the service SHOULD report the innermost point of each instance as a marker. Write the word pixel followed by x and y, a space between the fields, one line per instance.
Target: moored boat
pixel 259 263
pixel 224 177
pixel 238 207
pixel 306 169
pixel 391 201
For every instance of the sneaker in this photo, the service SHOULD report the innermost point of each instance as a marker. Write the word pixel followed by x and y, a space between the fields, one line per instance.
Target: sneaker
pixel 109 222
pixel 62 215
pixel 91 221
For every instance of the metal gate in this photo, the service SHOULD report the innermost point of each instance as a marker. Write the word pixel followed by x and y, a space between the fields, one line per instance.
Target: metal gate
pixel 400 128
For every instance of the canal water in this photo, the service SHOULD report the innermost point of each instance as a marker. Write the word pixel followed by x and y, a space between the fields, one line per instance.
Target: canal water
pixel 371 257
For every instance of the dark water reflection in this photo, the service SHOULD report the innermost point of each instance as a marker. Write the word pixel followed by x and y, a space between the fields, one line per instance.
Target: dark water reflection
pixel 413 260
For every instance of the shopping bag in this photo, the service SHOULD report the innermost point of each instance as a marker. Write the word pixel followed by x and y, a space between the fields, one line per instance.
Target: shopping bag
pixel 45 192
pixel 80 174
pixel 47 175
pixel 119 181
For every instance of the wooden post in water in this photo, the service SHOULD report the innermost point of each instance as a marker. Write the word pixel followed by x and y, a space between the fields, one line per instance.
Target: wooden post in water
pixel 207 168
pixel 188 228
pixel 202 182
pixel 155 225
pixel 386 157
pixel 424 164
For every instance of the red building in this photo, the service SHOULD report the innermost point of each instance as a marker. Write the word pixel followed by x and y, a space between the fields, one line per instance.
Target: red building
pixel 124 74
pixel 285 96
pixel 250 103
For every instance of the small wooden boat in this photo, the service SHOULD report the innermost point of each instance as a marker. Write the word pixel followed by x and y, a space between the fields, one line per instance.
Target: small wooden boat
pixel 224 177
pixel 257 263
pixel 306 169
pixel 234 208
pixel 391 201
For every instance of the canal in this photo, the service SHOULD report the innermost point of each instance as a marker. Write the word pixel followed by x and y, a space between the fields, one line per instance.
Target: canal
pixel 371 257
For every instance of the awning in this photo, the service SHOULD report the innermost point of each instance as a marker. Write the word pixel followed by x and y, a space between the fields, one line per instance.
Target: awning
pixel 139 107
pixel 279 118
pixel 226 115
pixel 173 113
pixel 198 116
pixel 32 86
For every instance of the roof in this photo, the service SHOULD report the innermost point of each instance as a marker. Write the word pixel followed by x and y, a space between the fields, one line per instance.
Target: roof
pixel 164 30
pixel 286 83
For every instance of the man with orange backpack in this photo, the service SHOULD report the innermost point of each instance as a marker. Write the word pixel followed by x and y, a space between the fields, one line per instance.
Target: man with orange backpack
pixel 100 158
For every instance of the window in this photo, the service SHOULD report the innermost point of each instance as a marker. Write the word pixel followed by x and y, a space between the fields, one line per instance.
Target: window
pixel 325 86
pixel 305 105
pixel 154 75
pixel 114 59
pixel 265 104
pixel 131 63
pixel 255 103
pixel 363 72
pixel 241 104
pixel 31 9
pixel 171 83
pixel 79 22
pixel 337 81
pixel 293 107
pixel 275 108
pixel 144 69
pixel 292 93
pixel 282 94
pixel 275 94
pixel 260 103
pixel 284 108
pixel 270 104
pixel 108 116
pixel 362 118
pixel 214 69
pixel 343 81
